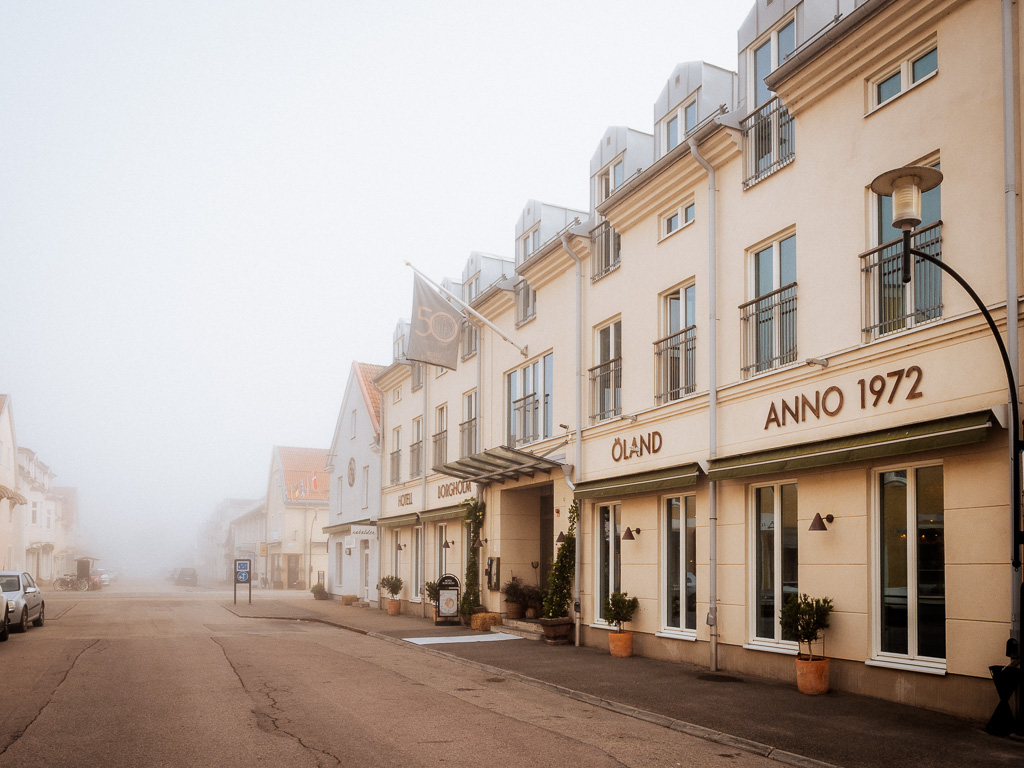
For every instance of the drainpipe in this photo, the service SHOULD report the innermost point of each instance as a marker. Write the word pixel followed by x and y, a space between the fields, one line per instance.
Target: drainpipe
pixel 712 619
pixel 1012 309
pixel 578 472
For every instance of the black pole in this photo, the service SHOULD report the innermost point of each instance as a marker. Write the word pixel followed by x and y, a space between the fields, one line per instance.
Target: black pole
pixel 1017 539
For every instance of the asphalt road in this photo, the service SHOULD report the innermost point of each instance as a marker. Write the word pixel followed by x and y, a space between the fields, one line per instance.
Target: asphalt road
pixel 165 676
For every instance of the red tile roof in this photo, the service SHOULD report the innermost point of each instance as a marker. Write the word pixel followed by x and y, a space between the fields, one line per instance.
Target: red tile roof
pixel 365 373
pixel 305 478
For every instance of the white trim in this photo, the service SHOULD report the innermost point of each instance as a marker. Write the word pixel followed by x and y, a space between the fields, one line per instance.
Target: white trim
pixel 689 635
pixel 907 666
pixel 785 647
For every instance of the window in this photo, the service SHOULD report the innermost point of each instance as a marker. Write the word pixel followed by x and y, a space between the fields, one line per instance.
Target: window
pixel 610 179
pixel 352 425
pixel 35 513
pixel 671 223
pixel 770 318
pixel 399 347
pixel 768 56
pixel 467 429
pixel 679 578
pixel 675 355
pixel 609 562
pixel 677 124
pixel 396 455
pixel 769 141
pixel 396 395
pixel 366 487
pixel 417 376
pixel 606 376
pixel 529 391
pixel 396 553
pixel 472 288
pixel 470 339
pixel 416 449
pixel 890 305
pixel 677 219
pixel 441 435
pixel 49 517
pixel 910 569
pixel 526 302
pixel 417 562
pixel 528 245
pixel 912 70
pixel 672 133
pixel 775 560
pixel 689 212
pixel 690 116
pixel 607 247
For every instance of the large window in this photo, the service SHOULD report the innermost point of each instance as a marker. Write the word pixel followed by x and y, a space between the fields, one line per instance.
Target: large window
pixel 911 565
pixel 675 354
pixel 768 131
pixel 607 250
pixel 680 562
pixel 526 302
pixel 527 245
pixel 609 179
pixel 770 319
pixel 677 124
pixel 606 376
pixel 529 391
pixel 902 76
pixel 442 549
pixel 467 428
pixel 470 339
pixel 891 305
pixel 609 562
pixel 396 455
pixel 775 560
pixel 441 435
pixel 416 448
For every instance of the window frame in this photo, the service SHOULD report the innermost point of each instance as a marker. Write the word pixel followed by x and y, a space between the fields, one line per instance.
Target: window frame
pixel 766 313
pixel 539 373
pixel 776 643
pixel 685 295
pixel 525 301
pixel 903 68
pixel 609 550
pixel 684 214
pixel 910 660
pixel 770 39
pixel 614 329
pixel 686 555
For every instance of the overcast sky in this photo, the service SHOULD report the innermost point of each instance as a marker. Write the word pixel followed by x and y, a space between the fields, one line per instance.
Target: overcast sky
pixel 205 209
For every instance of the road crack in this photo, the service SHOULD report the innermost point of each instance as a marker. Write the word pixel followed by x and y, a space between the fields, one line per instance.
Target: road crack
pixel 271 718
pixel 19 731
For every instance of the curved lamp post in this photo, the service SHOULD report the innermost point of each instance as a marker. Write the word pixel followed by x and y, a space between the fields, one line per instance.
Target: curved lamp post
pixel 906 185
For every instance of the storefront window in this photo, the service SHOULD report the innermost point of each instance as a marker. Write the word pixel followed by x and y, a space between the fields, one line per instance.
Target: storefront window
pixel 680 578
pixel 775 561
pixel 912 576
pixel 609 562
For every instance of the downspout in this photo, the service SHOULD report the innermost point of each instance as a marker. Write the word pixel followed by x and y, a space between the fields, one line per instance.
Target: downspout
pixel 712 619
pixel 578 471
pixel 1012 314
pixel 423 474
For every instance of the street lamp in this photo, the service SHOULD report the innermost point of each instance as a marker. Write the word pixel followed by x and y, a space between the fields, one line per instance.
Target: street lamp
pixel 906 186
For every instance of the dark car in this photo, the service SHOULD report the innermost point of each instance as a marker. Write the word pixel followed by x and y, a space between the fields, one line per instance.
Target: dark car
pixel 186 577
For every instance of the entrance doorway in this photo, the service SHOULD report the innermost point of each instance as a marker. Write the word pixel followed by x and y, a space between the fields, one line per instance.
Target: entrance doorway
pixel 547 537
pixel 364 569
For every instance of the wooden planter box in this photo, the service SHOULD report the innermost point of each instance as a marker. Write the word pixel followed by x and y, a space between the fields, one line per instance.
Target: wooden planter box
pixel 557 631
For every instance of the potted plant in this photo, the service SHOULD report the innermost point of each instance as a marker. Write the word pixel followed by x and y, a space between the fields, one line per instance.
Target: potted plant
pixel 533 600
pixel 320 592
pixel 433 593
pixel 805 619
pixel 393 586
pixel 555 620
pixel 515 597
pixel 618 610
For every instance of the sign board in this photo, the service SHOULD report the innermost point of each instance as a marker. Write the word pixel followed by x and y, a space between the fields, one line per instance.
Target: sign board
pixel 243 575
pixel 448 589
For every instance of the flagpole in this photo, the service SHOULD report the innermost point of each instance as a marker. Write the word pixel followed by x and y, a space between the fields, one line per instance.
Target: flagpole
pixel 464 305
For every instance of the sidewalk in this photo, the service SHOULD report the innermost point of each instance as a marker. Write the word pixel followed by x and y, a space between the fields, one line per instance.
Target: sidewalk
pixel 754 714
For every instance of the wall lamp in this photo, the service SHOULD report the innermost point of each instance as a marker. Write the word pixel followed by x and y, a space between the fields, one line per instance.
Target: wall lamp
pixel 560 539
pixel 447 544
pixel 624 417
pixel 627 535
pixel 399 547
pixel 818 523
pixel 478 544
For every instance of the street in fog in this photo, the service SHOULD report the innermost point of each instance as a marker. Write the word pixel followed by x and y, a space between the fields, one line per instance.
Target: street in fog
pixel 147 675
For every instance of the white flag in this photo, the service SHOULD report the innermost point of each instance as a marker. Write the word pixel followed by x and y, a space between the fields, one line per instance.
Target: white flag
pixel 434 337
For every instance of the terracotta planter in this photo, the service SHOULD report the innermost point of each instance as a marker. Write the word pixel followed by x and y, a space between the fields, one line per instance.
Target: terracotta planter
pixel 557 631
pixel 812 676
pixel 620 644
pixel 394 607
pixel 514 610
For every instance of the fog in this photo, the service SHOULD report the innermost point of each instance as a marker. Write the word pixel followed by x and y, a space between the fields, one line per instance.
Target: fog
pixel 205 210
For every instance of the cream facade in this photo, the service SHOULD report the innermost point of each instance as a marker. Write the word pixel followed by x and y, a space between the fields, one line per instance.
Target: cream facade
pixel 298 491
pixel 724 368
pixel 12 501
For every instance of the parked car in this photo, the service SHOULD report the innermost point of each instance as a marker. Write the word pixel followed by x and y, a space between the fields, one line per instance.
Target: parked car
pixel 24 600
pixel 187 576
pixel 4 632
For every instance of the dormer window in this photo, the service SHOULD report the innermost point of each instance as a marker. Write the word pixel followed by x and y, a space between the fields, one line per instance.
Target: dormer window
pixel 768 56
pixel 610 179
pixel 528 245
pixel 472 288
pixel 690 116
pixel 679 123
pixel 672 133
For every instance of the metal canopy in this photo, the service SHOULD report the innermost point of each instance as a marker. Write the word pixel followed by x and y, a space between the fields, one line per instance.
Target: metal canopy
pixel 497 465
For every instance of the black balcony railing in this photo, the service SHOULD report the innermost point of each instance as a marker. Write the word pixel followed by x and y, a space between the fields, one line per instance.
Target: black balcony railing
pixel 396 467
pixel 416 459
pixel 675 359
pixel 606 250
pixel 440 447
pixel 769 324
pixel 769 141
pixel 606 389
pixel 891 306
pixel 467 437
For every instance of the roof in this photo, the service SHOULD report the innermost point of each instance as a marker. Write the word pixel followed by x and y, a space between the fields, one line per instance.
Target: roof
pixel 365 373
pixel 305 478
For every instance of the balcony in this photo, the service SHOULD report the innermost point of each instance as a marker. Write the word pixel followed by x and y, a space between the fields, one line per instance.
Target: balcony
pixel 769 141
pixel 606 390
pixel 416 459
pixel 440 447
pixel 396 467
pixel 891 306
pixel 526 420
pixel 467 438
pixel 675 360
pixel 606 250
pixel 769 330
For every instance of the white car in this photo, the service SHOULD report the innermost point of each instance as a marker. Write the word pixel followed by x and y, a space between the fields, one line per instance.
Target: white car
pixel 24 600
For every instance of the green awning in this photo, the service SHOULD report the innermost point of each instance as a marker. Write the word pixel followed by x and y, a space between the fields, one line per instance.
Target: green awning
pixel 346 528
pixel 644 482
pixel 923 436
pixel 394 521
pixel 443 513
